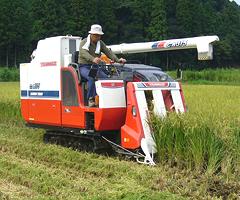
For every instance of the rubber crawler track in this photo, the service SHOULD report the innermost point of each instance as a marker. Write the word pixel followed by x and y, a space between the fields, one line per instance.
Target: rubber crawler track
pixel 80 142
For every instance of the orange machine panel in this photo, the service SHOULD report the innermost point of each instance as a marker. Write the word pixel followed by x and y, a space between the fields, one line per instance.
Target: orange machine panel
pixel 43 111
pixel 109 118
pixel 24 109
pixel 73 116
pixel 132 131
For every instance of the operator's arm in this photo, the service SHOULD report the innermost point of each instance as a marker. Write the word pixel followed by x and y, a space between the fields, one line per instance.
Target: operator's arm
pixel 84 56
pixel 108 52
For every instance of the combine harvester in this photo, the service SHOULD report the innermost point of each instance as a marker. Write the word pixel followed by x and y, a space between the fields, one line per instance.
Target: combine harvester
pixel 53 96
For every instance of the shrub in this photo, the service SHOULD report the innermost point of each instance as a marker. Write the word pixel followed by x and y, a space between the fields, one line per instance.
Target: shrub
pixel 9 74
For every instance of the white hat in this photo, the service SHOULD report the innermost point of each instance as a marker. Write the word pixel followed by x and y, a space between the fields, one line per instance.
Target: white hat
pixel 96 29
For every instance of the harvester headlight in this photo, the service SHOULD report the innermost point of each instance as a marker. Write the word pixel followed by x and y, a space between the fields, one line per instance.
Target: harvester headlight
pixel 134 111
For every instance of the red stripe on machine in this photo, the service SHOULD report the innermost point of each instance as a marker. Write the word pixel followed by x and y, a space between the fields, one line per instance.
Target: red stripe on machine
pixel 112 84
pixel 48 64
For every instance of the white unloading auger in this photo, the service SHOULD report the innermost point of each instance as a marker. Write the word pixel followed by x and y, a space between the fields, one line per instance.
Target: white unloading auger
pixel 203 45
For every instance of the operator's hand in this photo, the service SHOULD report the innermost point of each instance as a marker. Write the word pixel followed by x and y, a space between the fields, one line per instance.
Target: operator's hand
pixel 122 60
pixel 97 60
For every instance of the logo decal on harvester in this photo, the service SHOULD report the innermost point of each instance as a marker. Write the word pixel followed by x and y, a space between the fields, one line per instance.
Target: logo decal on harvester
pixel 157 85
pixel 34 86
pixel 159 45
pixel 180 43
pixel 48 64
pixel 43 94
pixel 112 84
pixel 164 44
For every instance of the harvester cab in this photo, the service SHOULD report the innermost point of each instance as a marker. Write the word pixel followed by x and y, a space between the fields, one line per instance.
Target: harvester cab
pixel 53 96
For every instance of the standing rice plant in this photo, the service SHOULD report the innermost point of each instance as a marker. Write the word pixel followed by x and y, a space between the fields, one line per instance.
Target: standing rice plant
pixel 206 148
pixel 215 150
pixel 231 165
pixel 163 138
pixel 237 149
pixel 169 134
pixel 182 143
pixel 196 147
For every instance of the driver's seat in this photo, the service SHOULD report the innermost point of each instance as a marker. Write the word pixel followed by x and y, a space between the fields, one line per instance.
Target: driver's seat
pixel 75 65
pixel 81 81
pixel 75 57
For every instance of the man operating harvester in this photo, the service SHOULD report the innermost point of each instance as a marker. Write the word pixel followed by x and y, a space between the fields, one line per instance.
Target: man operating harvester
pixel 89 54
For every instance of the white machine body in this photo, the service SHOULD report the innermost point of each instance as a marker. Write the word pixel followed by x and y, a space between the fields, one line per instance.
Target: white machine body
pixel 41 78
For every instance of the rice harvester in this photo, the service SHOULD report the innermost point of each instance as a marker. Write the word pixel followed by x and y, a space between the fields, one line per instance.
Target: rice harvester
pixel 53 96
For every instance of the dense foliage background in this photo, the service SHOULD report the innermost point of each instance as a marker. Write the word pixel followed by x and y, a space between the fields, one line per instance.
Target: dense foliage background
pixel 24 22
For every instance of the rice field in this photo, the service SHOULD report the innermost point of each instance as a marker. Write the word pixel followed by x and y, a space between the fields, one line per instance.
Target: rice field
pixel 207 138
pixel 224 76
pixel 198 155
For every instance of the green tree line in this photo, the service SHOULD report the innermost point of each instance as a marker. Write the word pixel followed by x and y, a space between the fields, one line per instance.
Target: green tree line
pixel 24 22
